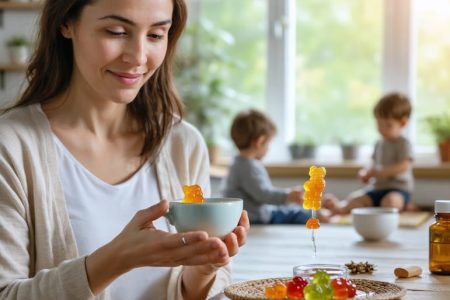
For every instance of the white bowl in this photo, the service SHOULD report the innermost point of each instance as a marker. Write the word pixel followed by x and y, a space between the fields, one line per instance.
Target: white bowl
pixel 375 223
pixel 217 216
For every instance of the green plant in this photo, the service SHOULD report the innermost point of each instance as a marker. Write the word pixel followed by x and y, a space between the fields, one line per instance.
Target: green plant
pixel 304 139
pixel 440 126
pixel 17 41
pixel 348 140
pixel 201 70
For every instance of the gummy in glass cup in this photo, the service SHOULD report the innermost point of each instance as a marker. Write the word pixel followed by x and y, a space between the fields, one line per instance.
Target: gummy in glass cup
pixel 307 271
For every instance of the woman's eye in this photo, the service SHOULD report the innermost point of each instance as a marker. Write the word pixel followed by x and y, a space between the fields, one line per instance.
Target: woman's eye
pixel 117 33
pixel 156 36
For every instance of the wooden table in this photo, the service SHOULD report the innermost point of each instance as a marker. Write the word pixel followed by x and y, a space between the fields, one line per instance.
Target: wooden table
pixel 272 251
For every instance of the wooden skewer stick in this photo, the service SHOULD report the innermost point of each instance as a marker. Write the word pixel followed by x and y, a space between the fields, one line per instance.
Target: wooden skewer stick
pixel 407 272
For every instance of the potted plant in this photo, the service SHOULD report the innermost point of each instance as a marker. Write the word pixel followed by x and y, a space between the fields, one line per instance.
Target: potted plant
pixel 349 147
pixel 303 147
pixel 201 70
pixel 440 127
pixel 18 47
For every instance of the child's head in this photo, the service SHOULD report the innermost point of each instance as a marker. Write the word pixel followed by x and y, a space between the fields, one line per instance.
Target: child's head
pixel 252 130
pixel 392 113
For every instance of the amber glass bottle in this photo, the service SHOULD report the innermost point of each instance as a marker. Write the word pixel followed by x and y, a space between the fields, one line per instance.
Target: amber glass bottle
pixel 439 260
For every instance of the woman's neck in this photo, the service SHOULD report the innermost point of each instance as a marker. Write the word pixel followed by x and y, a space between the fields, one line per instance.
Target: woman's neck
pixel 101 118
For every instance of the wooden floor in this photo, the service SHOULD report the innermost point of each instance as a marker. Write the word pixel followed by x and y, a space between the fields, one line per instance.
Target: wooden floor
pixel 272 251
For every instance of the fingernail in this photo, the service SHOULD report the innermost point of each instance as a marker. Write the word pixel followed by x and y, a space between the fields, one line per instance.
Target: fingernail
pixel 214 245
pixel 222 253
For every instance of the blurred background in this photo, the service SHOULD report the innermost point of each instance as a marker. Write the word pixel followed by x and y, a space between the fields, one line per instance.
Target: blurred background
pixel 315 66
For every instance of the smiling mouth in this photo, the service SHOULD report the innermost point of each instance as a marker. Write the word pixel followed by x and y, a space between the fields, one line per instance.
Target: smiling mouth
pixel 127 79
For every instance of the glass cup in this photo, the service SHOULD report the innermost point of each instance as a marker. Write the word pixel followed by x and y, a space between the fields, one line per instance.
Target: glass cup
pixel 307 271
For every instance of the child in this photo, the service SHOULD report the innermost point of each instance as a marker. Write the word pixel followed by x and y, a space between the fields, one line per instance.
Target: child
pixel 252 132
pixel 391 169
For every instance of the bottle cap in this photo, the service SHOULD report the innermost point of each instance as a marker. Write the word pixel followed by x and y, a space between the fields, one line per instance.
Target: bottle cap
pixel 442 206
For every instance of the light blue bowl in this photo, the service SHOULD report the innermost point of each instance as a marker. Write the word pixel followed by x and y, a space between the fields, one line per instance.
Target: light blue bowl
pixel 217 216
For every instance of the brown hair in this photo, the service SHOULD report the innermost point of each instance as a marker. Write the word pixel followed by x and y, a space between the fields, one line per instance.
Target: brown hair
pixel 393 106
pixel 250 125
pixel 50 70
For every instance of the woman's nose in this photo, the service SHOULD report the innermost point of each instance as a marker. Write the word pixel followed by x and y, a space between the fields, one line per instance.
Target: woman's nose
pixel 136 52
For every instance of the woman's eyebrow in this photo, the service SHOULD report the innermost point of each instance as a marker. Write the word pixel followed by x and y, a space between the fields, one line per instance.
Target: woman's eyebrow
pixel 128 21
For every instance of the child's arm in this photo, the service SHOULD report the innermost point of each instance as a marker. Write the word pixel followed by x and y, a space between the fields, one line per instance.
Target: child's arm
pixel 392 170
pixel 365 174
pixel 295 195
pixel 258 185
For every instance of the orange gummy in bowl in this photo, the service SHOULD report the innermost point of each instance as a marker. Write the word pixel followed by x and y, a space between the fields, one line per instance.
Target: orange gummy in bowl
pixel 193 194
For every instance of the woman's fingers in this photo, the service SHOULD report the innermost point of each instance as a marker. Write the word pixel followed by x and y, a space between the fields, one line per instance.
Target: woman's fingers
pixel 241 235
pixel 238 237
pixel 241 230
pixel 232 243
pixel 244 221
pixel 211 251
pixel 144 217
pixel 193 251
pixel 183 239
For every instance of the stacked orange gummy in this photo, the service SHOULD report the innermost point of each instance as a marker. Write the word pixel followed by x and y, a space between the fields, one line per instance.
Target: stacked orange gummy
pixel 193 194
pixel 313 193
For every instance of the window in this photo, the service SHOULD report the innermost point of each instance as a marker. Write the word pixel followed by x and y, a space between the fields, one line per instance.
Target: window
pixel 246 22
pixel 347 54
pixel 232 44
pixel 338 70
pixel 433 64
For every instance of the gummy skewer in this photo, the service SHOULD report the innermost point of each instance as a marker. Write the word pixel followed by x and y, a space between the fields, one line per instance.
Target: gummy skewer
pixel 313 214
pixel 314 187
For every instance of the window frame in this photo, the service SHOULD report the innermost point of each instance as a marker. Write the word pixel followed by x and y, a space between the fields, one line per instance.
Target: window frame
pixel 398 64
pixel 398 70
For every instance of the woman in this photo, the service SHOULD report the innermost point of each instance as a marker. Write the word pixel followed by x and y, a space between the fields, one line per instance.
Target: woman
pixel 96 136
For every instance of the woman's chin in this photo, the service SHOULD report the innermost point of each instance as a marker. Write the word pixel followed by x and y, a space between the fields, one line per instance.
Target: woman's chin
pixel 124 97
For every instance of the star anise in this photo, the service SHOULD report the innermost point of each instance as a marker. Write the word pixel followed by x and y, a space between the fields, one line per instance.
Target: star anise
pixel 360 267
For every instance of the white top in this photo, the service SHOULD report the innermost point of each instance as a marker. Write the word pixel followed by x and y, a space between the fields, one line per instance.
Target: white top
pixel 39 256
pixel 98 211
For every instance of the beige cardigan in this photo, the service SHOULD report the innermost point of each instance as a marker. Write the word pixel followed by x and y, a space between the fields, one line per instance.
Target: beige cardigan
pixel 38 253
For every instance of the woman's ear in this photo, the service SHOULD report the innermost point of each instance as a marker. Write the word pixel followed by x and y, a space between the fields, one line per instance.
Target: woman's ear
pixel 66 30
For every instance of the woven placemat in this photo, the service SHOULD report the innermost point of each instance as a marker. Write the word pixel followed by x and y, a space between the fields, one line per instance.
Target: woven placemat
pixel 367 289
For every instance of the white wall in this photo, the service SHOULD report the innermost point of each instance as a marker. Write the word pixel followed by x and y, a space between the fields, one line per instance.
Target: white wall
pixel 15 22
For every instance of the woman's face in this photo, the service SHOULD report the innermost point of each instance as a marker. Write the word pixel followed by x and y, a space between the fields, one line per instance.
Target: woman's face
pixel 118 45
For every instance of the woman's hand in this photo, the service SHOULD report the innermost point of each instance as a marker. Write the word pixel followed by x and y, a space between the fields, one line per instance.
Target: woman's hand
pixel 231 243
pixel 198 279
pixel 238 237
pixel 144 245
pixel 141 244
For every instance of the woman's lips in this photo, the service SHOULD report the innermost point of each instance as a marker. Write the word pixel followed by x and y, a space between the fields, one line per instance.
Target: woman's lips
pixel 127 78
